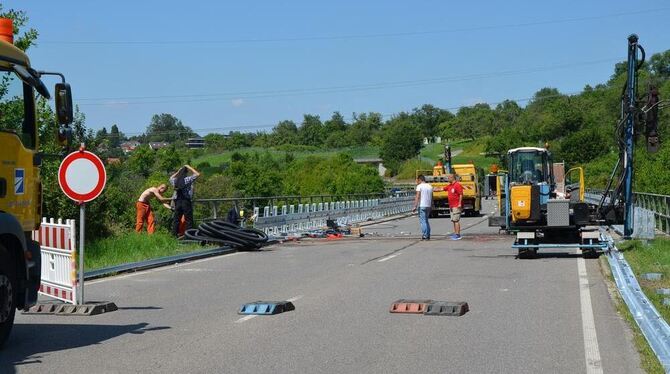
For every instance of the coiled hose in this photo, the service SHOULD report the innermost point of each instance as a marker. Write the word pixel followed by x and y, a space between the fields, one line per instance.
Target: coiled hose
pixel 226 233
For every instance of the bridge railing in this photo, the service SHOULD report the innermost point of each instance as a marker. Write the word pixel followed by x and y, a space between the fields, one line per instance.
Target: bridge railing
pixel 658 204
pixel 285 214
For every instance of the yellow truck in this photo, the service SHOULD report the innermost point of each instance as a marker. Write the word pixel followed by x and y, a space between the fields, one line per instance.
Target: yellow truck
pixel 469 179
pixel 472 192
pixel 20 185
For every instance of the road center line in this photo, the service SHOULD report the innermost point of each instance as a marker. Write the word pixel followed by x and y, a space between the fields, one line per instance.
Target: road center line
pixel 591 350
pixel 388 257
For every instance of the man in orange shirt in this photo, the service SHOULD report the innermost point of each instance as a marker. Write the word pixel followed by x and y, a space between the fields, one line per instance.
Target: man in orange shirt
pixel 144 213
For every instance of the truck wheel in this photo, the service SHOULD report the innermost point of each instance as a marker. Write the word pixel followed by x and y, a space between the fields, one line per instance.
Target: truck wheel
pixel 590 253
pixel 477 213
pixel 527 254
pixel 7 294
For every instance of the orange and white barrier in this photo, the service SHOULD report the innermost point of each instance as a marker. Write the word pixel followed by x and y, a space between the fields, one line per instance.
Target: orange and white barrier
pixel 58 249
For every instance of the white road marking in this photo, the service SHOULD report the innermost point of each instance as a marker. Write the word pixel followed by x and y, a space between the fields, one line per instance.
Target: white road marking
pixel 388 257
pixel 591 350
pixel 252 316
pixel 163 268
pixel 246 318
pixel 295 298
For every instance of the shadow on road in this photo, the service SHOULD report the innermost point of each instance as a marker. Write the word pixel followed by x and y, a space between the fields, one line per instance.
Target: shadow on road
pixel 541 255
pixel 140 308
pixel 30 341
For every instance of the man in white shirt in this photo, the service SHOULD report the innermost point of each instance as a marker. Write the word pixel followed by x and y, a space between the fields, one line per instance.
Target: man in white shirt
pixel 424 201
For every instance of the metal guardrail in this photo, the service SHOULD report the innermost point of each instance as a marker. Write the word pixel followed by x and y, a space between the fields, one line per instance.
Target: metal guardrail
pixel 219 206
pixel 654 328
pixel 305 213
pixel 658 204
pixel 156 262
pixel 305 217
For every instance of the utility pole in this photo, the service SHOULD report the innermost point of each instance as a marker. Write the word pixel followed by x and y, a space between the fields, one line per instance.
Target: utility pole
pixel 630 110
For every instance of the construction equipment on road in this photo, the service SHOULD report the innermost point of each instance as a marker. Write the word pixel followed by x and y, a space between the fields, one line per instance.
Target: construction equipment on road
pixel 545 210
pixel 468 176
pixel 541 213
pixel 20 183
pixel 616 203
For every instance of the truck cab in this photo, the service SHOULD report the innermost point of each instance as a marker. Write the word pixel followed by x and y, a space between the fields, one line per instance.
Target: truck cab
pixel 20 183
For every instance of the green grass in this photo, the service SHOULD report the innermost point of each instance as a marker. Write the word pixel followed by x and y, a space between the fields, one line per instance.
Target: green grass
pixel 648 360
pixel 216 159
pixel 408 169
pixel 470 150
pixel 132 247
pixel 653 257
pixel 480 161
pixel 432 151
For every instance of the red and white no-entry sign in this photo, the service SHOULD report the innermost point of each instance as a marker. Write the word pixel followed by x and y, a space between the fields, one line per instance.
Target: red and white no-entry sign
pixel 82 176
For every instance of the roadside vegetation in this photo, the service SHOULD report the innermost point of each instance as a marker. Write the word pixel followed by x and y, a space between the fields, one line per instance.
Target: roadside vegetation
pixel 645 257
pixel 133 247
pixel 651 257
pixel 648 360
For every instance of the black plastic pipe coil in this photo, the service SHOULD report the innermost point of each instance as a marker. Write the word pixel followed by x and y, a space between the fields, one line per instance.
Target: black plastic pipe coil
pixel 226 233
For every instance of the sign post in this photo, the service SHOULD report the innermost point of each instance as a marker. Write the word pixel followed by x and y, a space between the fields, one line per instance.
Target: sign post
pixel 82 178
pixel 82 226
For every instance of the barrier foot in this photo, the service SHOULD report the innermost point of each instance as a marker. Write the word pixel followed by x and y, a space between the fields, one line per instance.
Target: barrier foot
pixel 62 309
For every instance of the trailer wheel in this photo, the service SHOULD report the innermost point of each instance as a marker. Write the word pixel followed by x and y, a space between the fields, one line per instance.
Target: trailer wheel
pixel 7 294
pixel 527 254
pixel 590 253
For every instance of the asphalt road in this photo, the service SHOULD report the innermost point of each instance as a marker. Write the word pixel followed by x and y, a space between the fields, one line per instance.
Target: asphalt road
pixel 527 316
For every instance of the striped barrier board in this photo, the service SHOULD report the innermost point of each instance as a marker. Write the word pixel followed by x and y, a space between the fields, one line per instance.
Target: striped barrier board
pixel 59 271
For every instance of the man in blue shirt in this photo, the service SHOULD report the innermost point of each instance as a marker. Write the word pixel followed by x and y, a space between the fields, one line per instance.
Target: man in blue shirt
pixel 183 196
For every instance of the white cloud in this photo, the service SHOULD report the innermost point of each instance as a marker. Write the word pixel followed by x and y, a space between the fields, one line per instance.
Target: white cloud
pixel 237 102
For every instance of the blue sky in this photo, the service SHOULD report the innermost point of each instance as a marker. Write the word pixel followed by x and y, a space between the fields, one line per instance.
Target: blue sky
pixel 221 66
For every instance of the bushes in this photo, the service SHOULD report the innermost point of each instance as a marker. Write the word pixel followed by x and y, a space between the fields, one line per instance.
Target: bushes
pixel 408 168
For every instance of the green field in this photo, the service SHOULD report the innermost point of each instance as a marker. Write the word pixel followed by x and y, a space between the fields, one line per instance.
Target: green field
pixel 216 159
pixel 132 247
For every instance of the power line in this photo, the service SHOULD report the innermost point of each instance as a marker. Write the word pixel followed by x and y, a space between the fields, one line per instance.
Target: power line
pixel 352 36
pixel 241 128
pixel 195 98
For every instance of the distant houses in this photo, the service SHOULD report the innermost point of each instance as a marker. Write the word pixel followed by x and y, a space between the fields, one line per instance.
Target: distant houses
pixel 158 145
pixel 129 146
pixel 194 143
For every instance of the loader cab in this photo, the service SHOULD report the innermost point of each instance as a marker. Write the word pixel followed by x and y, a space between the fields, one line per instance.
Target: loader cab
pixel 530 165
pixel 531 183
